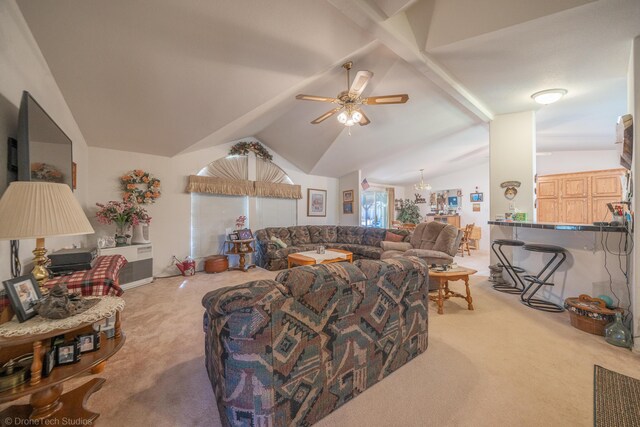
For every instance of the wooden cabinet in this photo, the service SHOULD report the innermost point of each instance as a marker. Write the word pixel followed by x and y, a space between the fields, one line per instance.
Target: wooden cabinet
pixel 449 219
pixel 578 198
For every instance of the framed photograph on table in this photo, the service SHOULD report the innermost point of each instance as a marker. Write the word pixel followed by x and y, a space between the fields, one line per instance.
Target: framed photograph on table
pixel 316 202
pixel 347 196
pixel 244 234
pixel 23 293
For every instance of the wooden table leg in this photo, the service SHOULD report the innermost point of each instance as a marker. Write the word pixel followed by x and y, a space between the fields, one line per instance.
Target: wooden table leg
pixel 469 299
pixel 241 265
pixel 36 365
pixel 440 300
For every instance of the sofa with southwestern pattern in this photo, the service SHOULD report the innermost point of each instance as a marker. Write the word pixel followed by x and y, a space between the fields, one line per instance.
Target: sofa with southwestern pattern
pixel 289 351
pixel 363 242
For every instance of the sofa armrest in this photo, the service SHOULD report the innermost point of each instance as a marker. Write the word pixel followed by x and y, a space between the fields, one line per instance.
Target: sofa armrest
pixel 431 257
pixel 225 301
pixel 395 246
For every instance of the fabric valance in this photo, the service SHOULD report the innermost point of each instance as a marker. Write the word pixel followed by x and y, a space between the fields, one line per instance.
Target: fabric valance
pixel 277 190
pixel 232 167
pixel 237 187
pixel 211 185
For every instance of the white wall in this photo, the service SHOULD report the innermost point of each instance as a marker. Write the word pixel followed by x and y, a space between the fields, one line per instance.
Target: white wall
pixel 577 161
pixel 512 145
pixel 350 182
pixel 22 67
pixel 171 224
pixel 633 103
pixel 476 176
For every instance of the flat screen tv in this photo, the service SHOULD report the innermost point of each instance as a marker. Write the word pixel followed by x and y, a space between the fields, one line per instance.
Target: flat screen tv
pixel 44 150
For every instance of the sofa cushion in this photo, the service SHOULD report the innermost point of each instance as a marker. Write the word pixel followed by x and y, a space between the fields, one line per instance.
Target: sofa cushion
pixel 350 234
pixel 300 235
pixel 364 251
pixel 395 246
pixel 278 242
pixel 373 236
pixel 393 237
pixel 323 233
pixel 281 233
pixel 431 257
pixel 446 241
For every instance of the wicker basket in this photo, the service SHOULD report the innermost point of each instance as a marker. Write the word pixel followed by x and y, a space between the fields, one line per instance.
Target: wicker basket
pixel 590 314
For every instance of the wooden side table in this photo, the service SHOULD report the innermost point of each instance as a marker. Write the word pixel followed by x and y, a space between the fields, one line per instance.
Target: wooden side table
pixel 47 403
pixel 240 248
pixel 443 278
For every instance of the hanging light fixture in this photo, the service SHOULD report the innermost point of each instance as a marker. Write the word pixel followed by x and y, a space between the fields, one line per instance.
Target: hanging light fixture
pixel 349 117
pixel 422 186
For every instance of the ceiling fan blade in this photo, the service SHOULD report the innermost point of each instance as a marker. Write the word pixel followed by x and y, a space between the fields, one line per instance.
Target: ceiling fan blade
pixel 326 115
pixel 315 98
pixel 359 83
pixel 364 120
pixel 386 99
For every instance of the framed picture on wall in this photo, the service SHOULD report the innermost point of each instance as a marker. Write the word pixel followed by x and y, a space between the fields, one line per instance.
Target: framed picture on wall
pixel 316 202
pixel 347 207
pixel 347 196
pixel 476 197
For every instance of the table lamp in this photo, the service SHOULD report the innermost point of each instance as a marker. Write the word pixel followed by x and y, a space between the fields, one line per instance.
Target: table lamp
pixel 35 210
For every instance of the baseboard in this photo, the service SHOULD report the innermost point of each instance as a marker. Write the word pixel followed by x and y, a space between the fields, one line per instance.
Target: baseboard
pixel 137 283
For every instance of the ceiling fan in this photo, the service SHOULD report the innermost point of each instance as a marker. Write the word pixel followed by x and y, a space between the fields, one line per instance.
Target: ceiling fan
pixel 349 101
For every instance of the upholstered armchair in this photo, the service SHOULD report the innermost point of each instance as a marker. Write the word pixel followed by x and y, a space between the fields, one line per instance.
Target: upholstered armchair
pixel 435 242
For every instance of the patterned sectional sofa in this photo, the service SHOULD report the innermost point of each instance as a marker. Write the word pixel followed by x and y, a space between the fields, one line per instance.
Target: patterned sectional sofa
pixel 290 351
pixel 362 241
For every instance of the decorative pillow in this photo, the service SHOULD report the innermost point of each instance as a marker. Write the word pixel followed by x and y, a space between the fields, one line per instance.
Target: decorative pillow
pixel 278 242
pixel 393 237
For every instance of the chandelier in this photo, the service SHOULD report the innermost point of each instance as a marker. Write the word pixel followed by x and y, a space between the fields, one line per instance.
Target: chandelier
pixel 422 186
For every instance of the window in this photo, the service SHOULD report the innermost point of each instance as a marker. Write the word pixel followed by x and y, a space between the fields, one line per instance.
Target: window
pixel 373 209
pixel 271 212
pixel 211 217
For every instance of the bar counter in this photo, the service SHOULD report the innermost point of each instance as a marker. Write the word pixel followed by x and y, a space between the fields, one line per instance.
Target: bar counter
pixel 560 226
pixel 597 257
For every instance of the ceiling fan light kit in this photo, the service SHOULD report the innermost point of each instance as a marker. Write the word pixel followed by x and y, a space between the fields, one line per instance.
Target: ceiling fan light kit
pixel 549 96
pixel 349 101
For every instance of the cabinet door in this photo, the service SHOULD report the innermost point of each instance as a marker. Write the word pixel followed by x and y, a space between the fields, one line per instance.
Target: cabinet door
pixel 576 186
pixel 548 210
pixel 547 188
pixel 606 185
pixel 575 211
pixel 600 211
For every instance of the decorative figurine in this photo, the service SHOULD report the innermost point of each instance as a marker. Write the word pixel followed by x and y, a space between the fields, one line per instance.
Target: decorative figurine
pixel 59 304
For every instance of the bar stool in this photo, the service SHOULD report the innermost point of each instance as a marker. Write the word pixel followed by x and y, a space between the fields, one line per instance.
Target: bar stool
pixel 518 285
pixel 540 281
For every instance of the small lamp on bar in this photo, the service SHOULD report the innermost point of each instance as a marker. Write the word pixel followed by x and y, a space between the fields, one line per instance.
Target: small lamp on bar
pixel 36 210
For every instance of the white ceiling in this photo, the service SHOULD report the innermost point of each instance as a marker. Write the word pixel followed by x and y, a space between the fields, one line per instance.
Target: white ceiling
pixel 169 76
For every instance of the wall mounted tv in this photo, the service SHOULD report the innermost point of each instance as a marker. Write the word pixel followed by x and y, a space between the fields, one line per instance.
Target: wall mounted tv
pixel 44 150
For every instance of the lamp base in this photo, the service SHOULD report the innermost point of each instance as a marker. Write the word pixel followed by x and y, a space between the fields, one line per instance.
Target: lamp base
pixel 40 261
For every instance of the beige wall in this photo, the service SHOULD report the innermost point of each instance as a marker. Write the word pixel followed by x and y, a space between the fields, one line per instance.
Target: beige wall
pixel 350 182
pixel 512 145
pixel 171 224
pixel 22 67
pixel 577 161
pixel 633 103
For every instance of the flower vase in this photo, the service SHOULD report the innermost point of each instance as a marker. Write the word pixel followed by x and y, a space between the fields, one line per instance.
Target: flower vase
pixel 121 234
pixel 617 333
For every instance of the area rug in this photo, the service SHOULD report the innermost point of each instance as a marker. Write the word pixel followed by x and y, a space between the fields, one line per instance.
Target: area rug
pixel 616 399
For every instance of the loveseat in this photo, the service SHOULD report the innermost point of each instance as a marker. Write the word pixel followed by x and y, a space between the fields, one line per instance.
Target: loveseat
pixel 363 242
pixel 436 242
pixel 289 351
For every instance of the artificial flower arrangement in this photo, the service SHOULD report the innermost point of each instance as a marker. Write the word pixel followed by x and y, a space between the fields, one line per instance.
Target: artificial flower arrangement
pixel 133 193
pixel 45 172
pixel 242 148
pixel 240 222
pixel 122 213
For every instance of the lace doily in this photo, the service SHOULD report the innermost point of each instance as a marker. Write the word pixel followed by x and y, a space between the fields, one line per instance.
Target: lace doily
pixel 107 307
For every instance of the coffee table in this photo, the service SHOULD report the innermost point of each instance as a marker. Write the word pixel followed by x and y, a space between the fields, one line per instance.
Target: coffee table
pixel 299 259
pixel 443 278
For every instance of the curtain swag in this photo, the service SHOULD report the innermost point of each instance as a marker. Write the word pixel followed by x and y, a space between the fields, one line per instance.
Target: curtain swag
pixel 238 187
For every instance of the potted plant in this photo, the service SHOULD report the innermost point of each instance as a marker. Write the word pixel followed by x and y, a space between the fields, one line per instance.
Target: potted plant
pixel 409 213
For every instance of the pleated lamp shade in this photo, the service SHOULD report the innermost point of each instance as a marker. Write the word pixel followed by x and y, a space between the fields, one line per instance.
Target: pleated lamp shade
pixel 30 210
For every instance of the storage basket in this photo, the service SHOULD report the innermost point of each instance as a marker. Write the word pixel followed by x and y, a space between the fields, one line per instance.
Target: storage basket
pixel 590 314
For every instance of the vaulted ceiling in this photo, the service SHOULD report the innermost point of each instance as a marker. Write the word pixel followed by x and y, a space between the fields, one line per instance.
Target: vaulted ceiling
pixel 168 76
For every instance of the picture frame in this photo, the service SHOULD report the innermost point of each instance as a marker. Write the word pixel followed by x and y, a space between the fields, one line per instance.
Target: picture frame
pixel 68 353
pixel 89 342
pixel 316 202
pixel 74 175
pixel 476 197
pixel 347 208
pixel 347 196
pixel 476 207
pixel 233 236
pixel 106 326
pixel 23 293
pixel 244 234
pixel 49 362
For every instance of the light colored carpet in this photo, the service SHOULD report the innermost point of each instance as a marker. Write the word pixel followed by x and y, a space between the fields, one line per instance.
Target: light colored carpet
pixel 502 364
